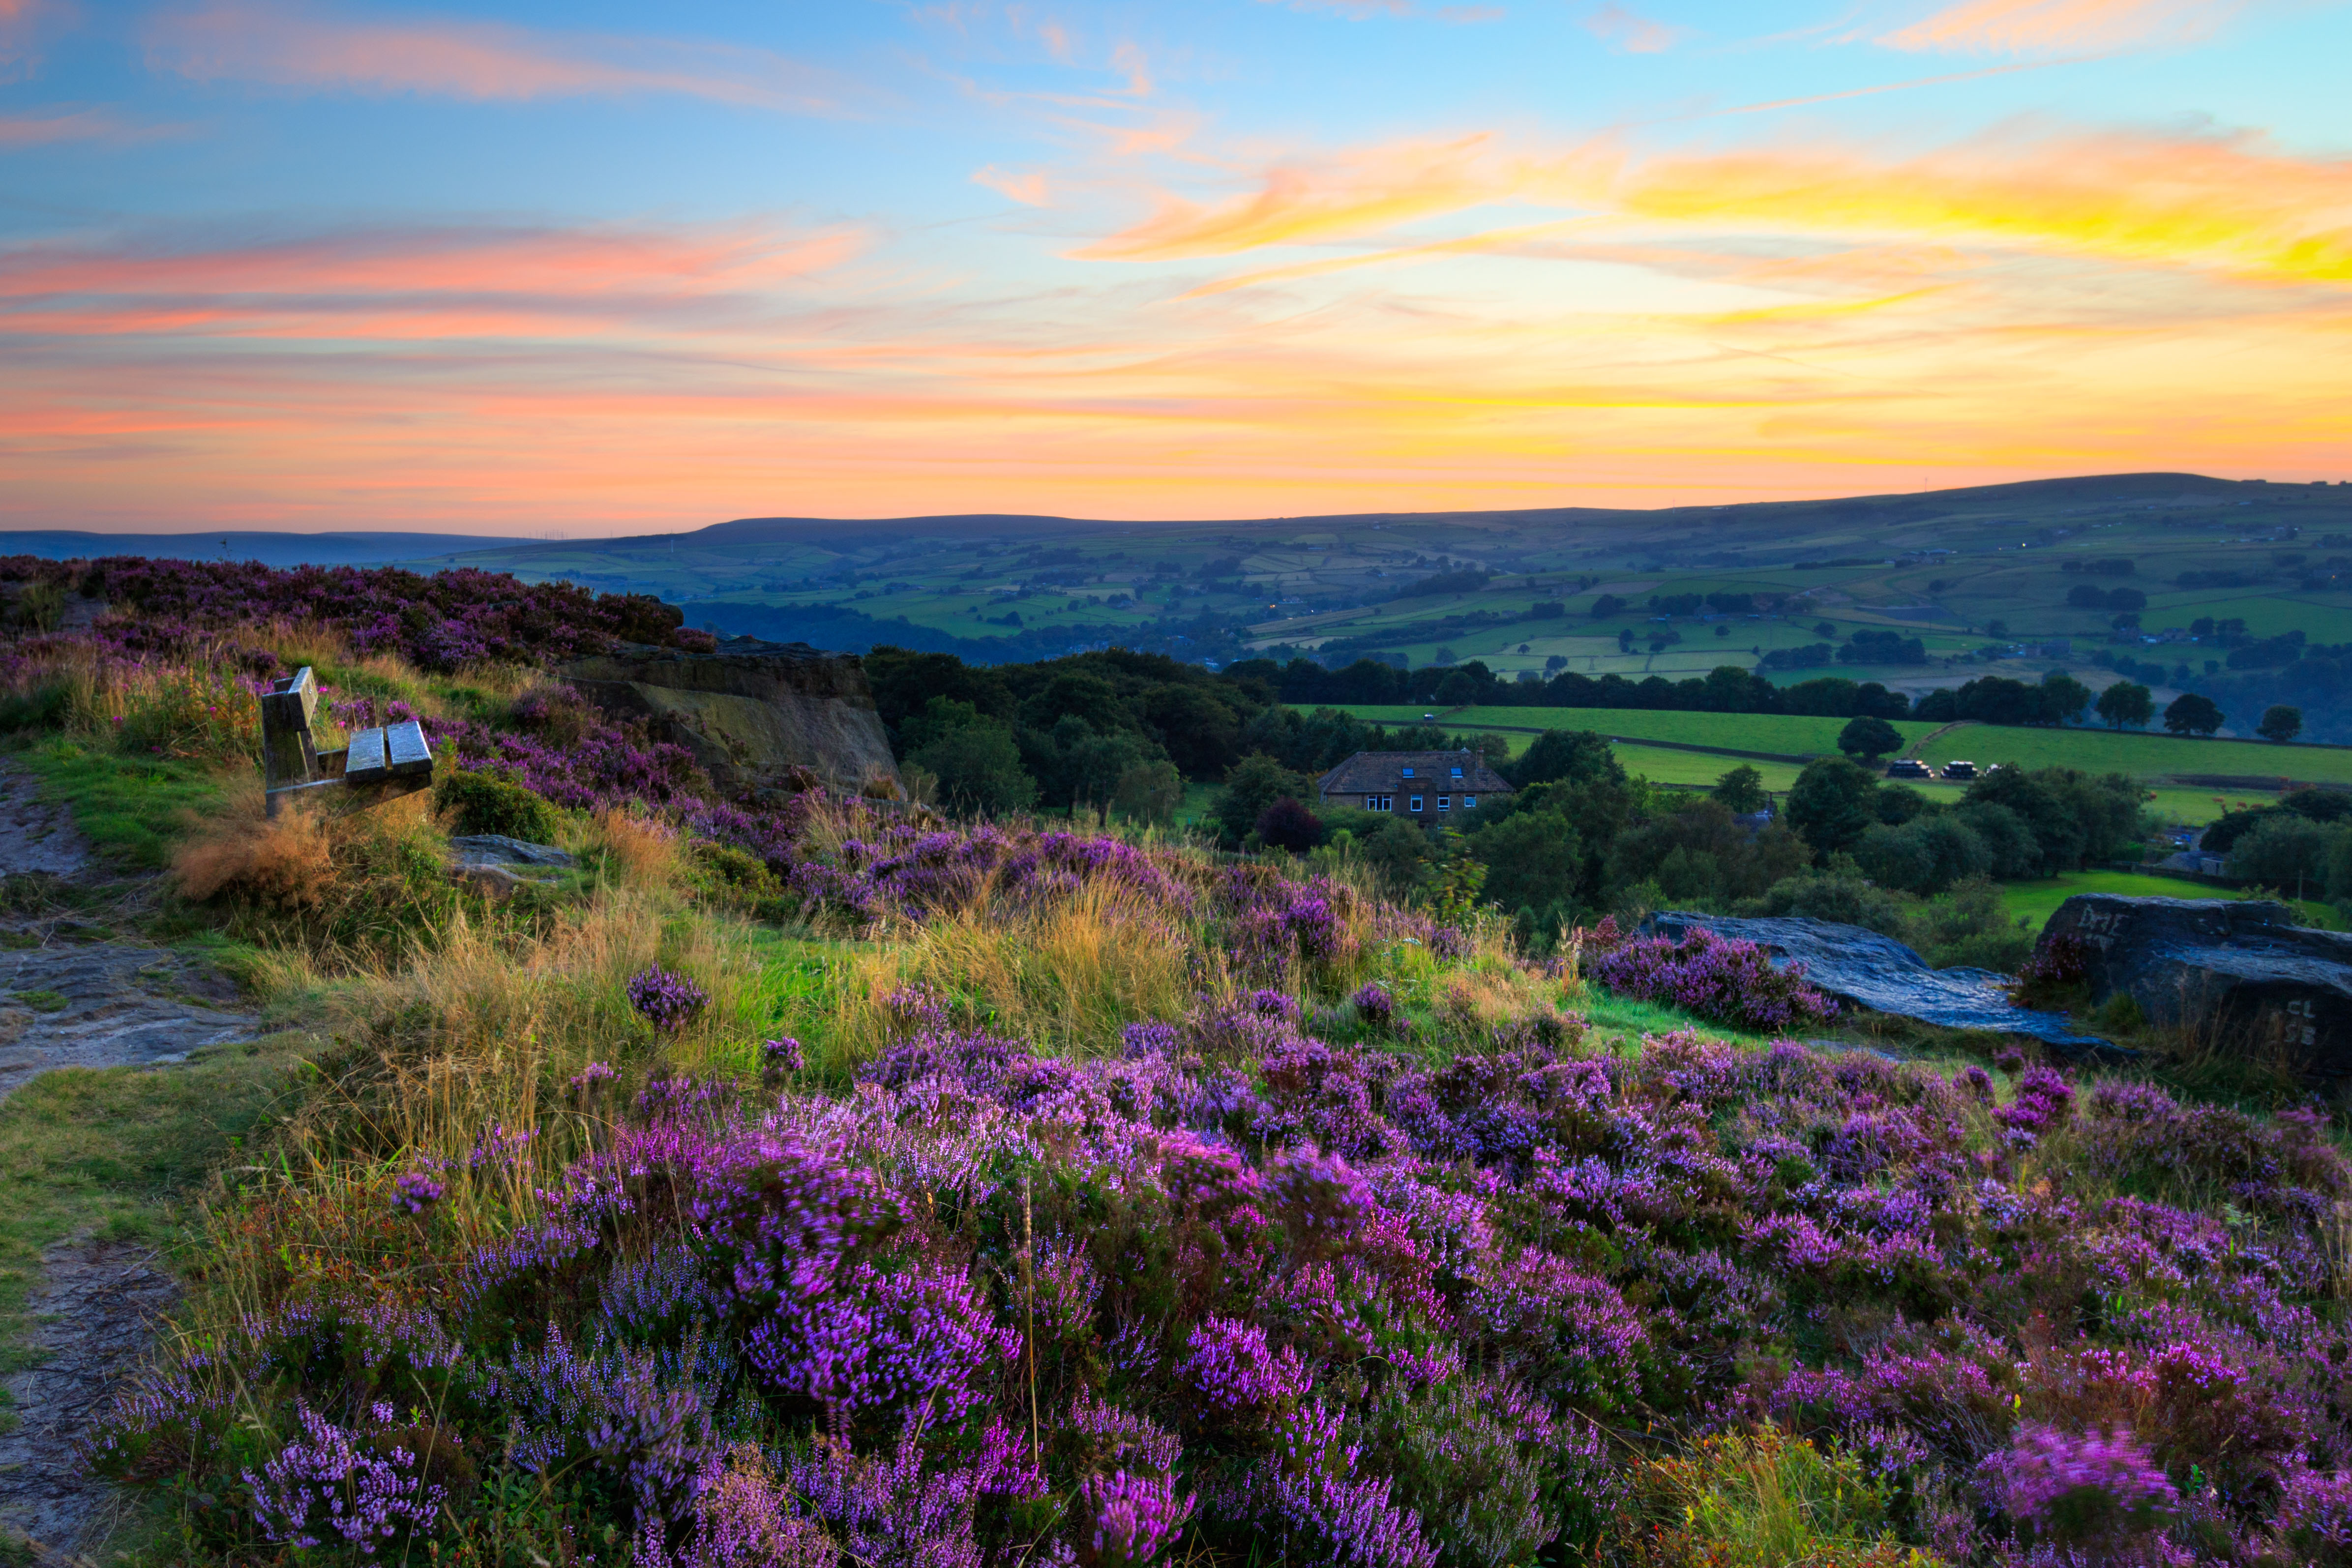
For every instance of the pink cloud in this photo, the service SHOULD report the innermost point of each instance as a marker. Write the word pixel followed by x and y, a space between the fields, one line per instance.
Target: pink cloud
pixel 45 128
pixel 2033 26
pixel 1029 190
pixel 1622 29
pixel 19 20
pixel 282 46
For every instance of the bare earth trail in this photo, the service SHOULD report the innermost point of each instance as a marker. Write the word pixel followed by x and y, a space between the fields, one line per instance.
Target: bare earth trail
pixel 69 1001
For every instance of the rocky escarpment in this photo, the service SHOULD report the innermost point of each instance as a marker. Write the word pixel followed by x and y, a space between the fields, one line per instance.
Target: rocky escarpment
pixel 2239 973
pixel 750 711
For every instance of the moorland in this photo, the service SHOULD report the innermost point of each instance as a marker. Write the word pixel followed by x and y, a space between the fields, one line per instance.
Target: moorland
pixel 986 1166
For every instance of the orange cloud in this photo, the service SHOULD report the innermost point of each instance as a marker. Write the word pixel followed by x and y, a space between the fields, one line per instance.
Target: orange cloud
pixel 2033 26
pixel 256 41
pixel 2220 203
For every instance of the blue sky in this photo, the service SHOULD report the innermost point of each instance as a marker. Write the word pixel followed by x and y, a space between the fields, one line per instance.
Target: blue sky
pixel 601 268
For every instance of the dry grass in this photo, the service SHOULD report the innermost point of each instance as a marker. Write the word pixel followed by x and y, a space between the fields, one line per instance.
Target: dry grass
pixel 636 851
pixel 1068 974
pixel 284 862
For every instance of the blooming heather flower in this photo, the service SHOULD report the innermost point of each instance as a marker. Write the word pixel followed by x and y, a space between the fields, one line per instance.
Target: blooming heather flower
pixel 1127 1522
pixel 328 1483
pixel 414 1193
pixel 2094 1490
pixel 667 1001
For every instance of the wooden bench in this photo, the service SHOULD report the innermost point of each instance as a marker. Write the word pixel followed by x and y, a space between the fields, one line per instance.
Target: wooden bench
pixel 379 765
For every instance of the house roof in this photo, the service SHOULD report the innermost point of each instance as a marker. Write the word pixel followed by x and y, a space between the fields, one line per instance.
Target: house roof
pixel 1383 773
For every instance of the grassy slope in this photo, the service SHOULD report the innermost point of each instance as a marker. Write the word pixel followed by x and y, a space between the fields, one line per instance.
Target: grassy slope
pixel 130 808
pixel 2037 901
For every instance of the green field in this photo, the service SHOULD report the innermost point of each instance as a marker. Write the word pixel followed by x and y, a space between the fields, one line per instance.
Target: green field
pixel 2142 756
pixel 2037 901
pixel 1788 734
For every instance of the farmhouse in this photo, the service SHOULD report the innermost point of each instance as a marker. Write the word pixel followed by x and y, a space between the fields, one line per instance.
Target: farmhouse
pixel 1427 785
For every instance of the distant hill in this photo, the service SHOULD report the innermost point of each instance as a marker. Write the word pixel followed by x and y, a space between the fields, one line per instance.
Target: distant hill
pixel 2238 588
pixel 269 549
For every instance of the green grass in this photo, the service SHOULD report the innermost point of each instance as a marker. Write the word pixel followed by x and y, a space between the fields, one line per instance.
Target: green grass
pixel 108 1152
pixel 2037 901
pixel 129 808
pixel 2140 755
pixel 1789 734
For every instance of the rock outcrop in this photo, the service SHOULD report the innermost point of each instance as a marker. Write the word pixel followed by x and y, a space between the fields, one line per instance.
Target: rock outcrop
pixel 2236 971
pixel 1856 965
pixel 750 711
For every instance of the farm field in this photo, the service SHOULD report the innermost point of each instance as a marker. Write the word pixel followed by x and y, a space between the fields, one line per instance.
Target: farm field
pixel 2139 755
pixel 1789 734
pixel 2038 901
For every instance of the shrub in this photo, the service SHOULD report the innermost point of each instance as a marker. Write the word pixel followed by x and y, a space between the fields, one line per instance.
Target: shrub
pixel 479 801
pixel 1728 981
pixel 2092 1492
pixel 1287 825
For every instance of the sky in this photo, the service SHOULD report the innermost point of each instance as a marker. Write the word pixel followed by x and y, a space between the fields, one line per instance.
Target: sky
pixel 596 269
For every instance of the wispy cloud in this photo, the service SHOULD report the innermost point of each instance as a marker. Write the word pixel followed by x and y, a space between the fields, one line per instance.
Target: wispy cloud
pixel 44 127
pixel 1622 29
pixel 2033 27
pixel 1029 190
pixel 2227 203
pixel 20 21
pixel 286 46
pixel 1344 196
pixel 403 283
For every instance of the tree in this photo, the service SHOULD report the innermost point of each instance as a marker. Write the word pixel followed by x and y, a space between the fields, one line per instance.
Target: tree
pixel 2280 724
pixel 1829 804
pixel 978 765
pixel 2127 703
pixel 2190 713
pixel 1534 859
pixel 1625 640
pixel 1149 793
pixel 2063 697
pixel 2286 852
pixel 1869 739
pixel 1605 606
pixel 1287 825
pixel 1742 789
pixel 1577 756
pixel 1252 785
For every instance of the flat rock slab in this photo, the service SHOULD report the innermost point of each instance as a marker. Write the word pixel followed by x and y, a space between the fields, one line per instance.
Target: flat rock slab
pixel 36 838
pixel 498 849
pixel 2238 970
pixel 105 1004
pixel 92 1315
pixel 1856 965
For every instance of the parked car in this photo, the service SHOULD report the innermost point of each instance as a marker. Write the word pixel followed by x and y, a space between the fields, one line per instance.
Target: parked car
pixel 1907 768
pixel 1961 770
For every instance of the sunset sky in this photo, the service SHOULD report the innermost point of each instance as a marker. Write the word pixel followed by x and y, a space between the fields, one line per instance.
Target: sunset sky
pixel 597 268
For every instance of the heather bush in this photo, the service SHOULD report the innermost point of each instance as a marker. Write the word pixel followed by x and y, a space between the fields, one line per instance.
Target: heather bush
pixel 1731 981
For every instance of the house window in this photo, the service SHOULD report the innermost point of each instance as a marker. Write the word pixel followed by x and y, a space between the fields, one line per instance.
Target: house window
pixel 1469 802
pixel 1446 802
pixel 1457 773
pixel 1380 803
pixel 1416 805
pixel 1408 772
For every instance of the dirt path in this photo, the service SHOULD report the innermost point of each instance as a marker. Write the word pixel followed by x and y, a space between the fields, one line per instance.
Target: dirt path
pixel 72 997
pixel 93 1314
